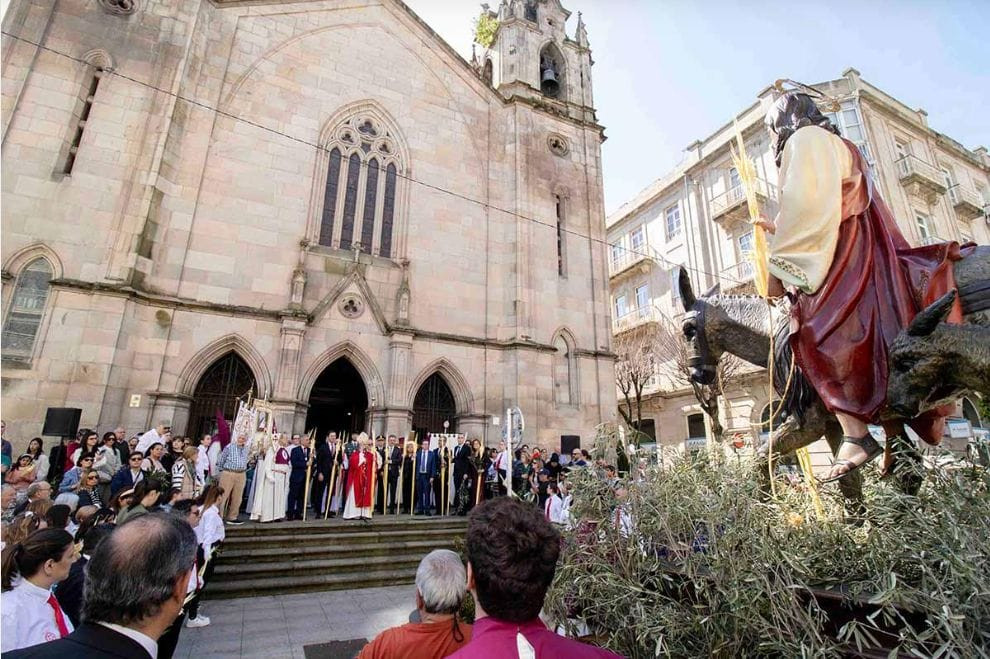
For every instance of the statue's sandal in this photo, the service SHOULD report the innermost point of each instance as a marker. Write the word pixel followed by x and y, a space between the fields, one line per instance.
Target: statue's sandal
pixel 868 444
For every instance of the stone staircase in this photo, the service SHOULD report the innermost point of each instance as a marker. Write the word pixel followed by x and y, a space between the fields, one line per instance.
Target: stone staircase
pixel 295 557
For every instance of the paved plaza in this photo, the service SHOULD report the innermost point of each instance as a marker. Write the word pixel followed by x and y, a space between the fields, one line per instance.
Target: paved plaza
pixel 283 626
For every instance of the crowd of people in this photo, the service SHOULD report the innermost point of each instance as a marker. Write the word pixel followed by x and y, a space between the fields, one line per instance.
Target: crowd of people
pixel 81 525
pixel 60 509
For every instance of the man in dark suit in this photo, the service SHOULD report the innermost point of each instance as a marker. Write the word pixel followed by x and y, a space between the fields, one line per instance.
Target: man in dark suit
pixel 394 468
pixel 299 459
pixel 117 574
pixel 462 461
pixel 322 465
pixel 128 475
pixel 380 474
pixel 441 485
pixel 70 592
pixel 425 465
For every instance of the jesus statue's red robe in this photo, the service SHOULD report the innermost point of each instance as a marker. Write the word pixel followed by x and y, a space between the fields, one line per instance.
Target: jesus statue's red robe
pixel 360 478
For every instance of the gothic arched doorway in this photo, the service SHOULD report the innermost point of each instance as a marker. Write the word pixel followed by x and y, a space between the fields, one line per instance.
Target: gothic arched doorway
pixel 338 401
pixel 228 379
pixel 434 404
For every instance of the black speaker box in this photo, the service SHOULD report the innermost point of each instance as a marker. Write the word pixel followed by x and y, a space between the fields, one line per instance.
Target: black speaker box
pixel 62 421
pixel 568 443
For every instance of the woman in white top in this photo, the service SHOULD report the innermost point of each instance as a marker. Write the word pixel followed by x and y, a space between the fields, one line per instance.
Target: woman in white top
pixel 210 533
pixel 30 613
pixel 89 445
pixel 36 447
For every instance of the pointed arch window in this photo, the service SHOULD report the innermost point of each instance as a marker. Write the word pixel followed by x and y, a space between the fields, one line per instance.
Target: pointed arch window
pixel 564 372
pixel 359 196
pixel 27 307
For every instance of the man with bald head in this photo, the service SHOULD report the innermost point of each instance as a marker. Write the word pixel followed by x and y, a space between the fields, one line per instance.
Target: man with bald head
pixel 127 606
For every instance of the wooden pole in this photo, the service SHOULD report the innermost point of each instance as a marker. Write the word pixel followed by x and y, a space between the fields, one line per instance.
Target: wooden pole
pixel 385 478
pixel 443 482
pixel 309 473
pixel 402 473
pixel 412 504
pixel 374 476
pixel 333 477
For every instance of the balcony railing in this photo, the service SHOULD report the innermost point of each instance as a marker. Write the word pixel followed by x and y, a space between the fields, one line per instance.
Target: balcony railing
pixel 967 203
pixel 932 240
pixel 627 258
pixel 921 178
pixel 736 275
pixel 635 318
pixel 731 204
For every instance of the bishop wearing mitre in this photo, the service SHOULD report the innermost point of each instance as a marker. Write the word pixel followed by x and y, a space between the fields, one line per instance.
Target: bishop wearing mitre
pixel 361 468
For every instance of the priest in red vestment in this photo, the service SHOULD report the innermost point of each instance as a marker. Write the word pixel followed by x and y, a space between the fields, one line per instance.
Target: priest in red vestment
pixel 854 280
pixel 361 469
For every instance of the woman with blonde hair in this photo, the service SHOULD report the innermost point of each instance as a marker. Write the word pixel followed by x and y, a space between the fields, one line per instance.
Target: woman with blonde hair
pixel 185 476
pixel 88 489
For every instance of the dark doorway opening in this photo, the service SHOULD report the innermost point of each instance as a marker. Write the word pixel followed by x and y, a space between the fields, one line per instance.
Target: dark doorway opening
pixel 222 384
pixel 434 404
pixel 338 401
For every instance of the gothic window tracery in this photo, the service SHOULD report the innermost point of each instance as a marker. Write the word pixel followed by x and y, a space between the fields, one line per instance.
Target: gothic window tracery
pixel 359 191
pixel 26 310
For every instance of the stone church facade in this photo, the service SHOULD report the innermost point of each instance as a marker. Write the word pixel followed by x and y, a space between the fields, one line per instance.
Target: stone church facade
pixel 319 201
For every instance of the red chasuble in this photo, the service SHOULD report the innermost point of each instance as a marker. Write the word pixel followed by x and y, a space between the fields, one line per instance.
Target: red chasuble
pixel 875 286
pixel 359 477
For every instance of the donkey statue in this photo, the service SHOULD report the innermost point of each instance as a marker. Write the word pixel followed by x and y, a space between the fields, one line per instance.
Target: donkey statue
pixel 741 325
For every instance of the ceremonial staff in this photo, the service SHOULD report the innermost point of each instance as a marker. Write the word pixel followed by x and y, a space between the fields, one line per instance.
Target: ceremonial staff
pixel 385 477
pixel 309 473
pixel 333 477
pixel 412 503
pixel 443 481
pixel 374 476
pixel 402 475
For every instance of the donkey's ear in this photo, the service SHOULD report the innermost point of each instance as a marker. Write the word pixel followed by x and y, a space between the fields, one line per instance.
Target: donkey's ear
pixel 930 317
pixel 684 290
pixel 714 290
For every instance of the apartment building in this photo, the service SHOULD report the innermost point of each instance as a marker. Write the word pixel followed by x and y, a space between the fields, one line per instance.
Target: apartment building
pixel 696 217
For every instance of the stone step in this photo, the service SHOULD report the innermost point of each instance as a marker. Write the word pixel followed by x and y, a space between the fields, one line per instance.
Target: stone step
pixel 289 540
pixel 255 554
pixel 277 570
pixel 317 527
pixel 219 589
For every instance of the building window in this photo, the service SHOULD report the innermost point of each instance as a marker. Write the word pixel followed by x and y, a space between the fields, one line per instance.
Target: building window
pixel 80 115
pixel 616 248
pixel 360 188
pixel 561 271
pixel 675 292
pixel 621 308
pixel 745 254
pixel 27 306
pixel 563 372
pixel 643 299
pixel 850 125
pixel 696 425
pixel 734 180
pixel 673 220
pixel 924 224
pixel 901 148
pixel 637 240
pixel 947 175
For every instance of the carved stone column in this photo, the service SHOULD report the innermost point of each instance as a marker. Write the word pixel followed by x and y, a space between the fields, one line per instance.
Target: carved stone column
pixel 400 356
pixel 287 381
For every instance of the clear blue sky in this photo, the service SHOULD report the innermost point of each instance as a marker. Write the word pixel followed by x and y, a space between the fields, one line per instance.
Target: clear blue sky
pixel 668 72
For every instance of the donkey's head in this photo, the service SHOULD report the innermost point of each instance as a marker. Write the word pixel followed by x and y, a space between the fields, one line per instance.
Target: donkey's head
pixel 923 365
pixel 703 356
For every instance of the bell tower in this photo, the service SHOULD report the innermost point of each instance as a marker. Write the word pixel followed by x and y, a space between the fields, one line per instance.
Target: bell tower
pixel 531 56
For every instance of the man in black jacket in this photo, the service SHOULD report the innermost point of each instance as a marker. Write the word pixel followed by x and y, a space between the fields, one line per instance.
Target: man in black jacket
pixel 394 469
pixel 299 459
pixel 128 606
pixel 321 466
pixel 462 461
pixel 70 592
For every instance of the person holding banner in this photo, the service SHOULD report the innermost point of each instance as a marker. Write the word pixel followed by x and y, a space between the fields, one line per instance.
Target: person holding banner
pixel 361 469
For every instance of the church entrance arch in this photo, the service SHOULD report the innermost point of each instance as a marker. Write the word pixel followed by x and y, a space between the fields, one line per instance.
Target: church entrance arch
pixel 228 379
pixel 338 401
pixel 434 403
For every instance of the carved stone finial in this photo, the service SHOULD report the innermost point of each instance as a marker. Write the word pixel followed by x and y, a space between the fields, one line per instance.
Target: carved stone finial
pixel 582 32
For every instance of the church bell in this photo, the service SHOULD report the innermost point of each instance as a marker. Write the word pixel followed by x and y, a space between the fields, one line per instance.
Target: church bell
pixel 548 82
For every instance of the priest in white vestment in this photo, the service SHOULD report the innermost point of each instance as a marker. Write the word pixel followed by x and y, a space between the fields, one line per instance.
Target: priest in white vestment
pixel 272 477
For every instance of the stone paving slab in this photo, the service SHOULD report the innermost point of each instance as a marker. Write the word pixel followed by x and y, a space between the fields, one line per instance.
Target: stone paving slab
pixel 283 626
